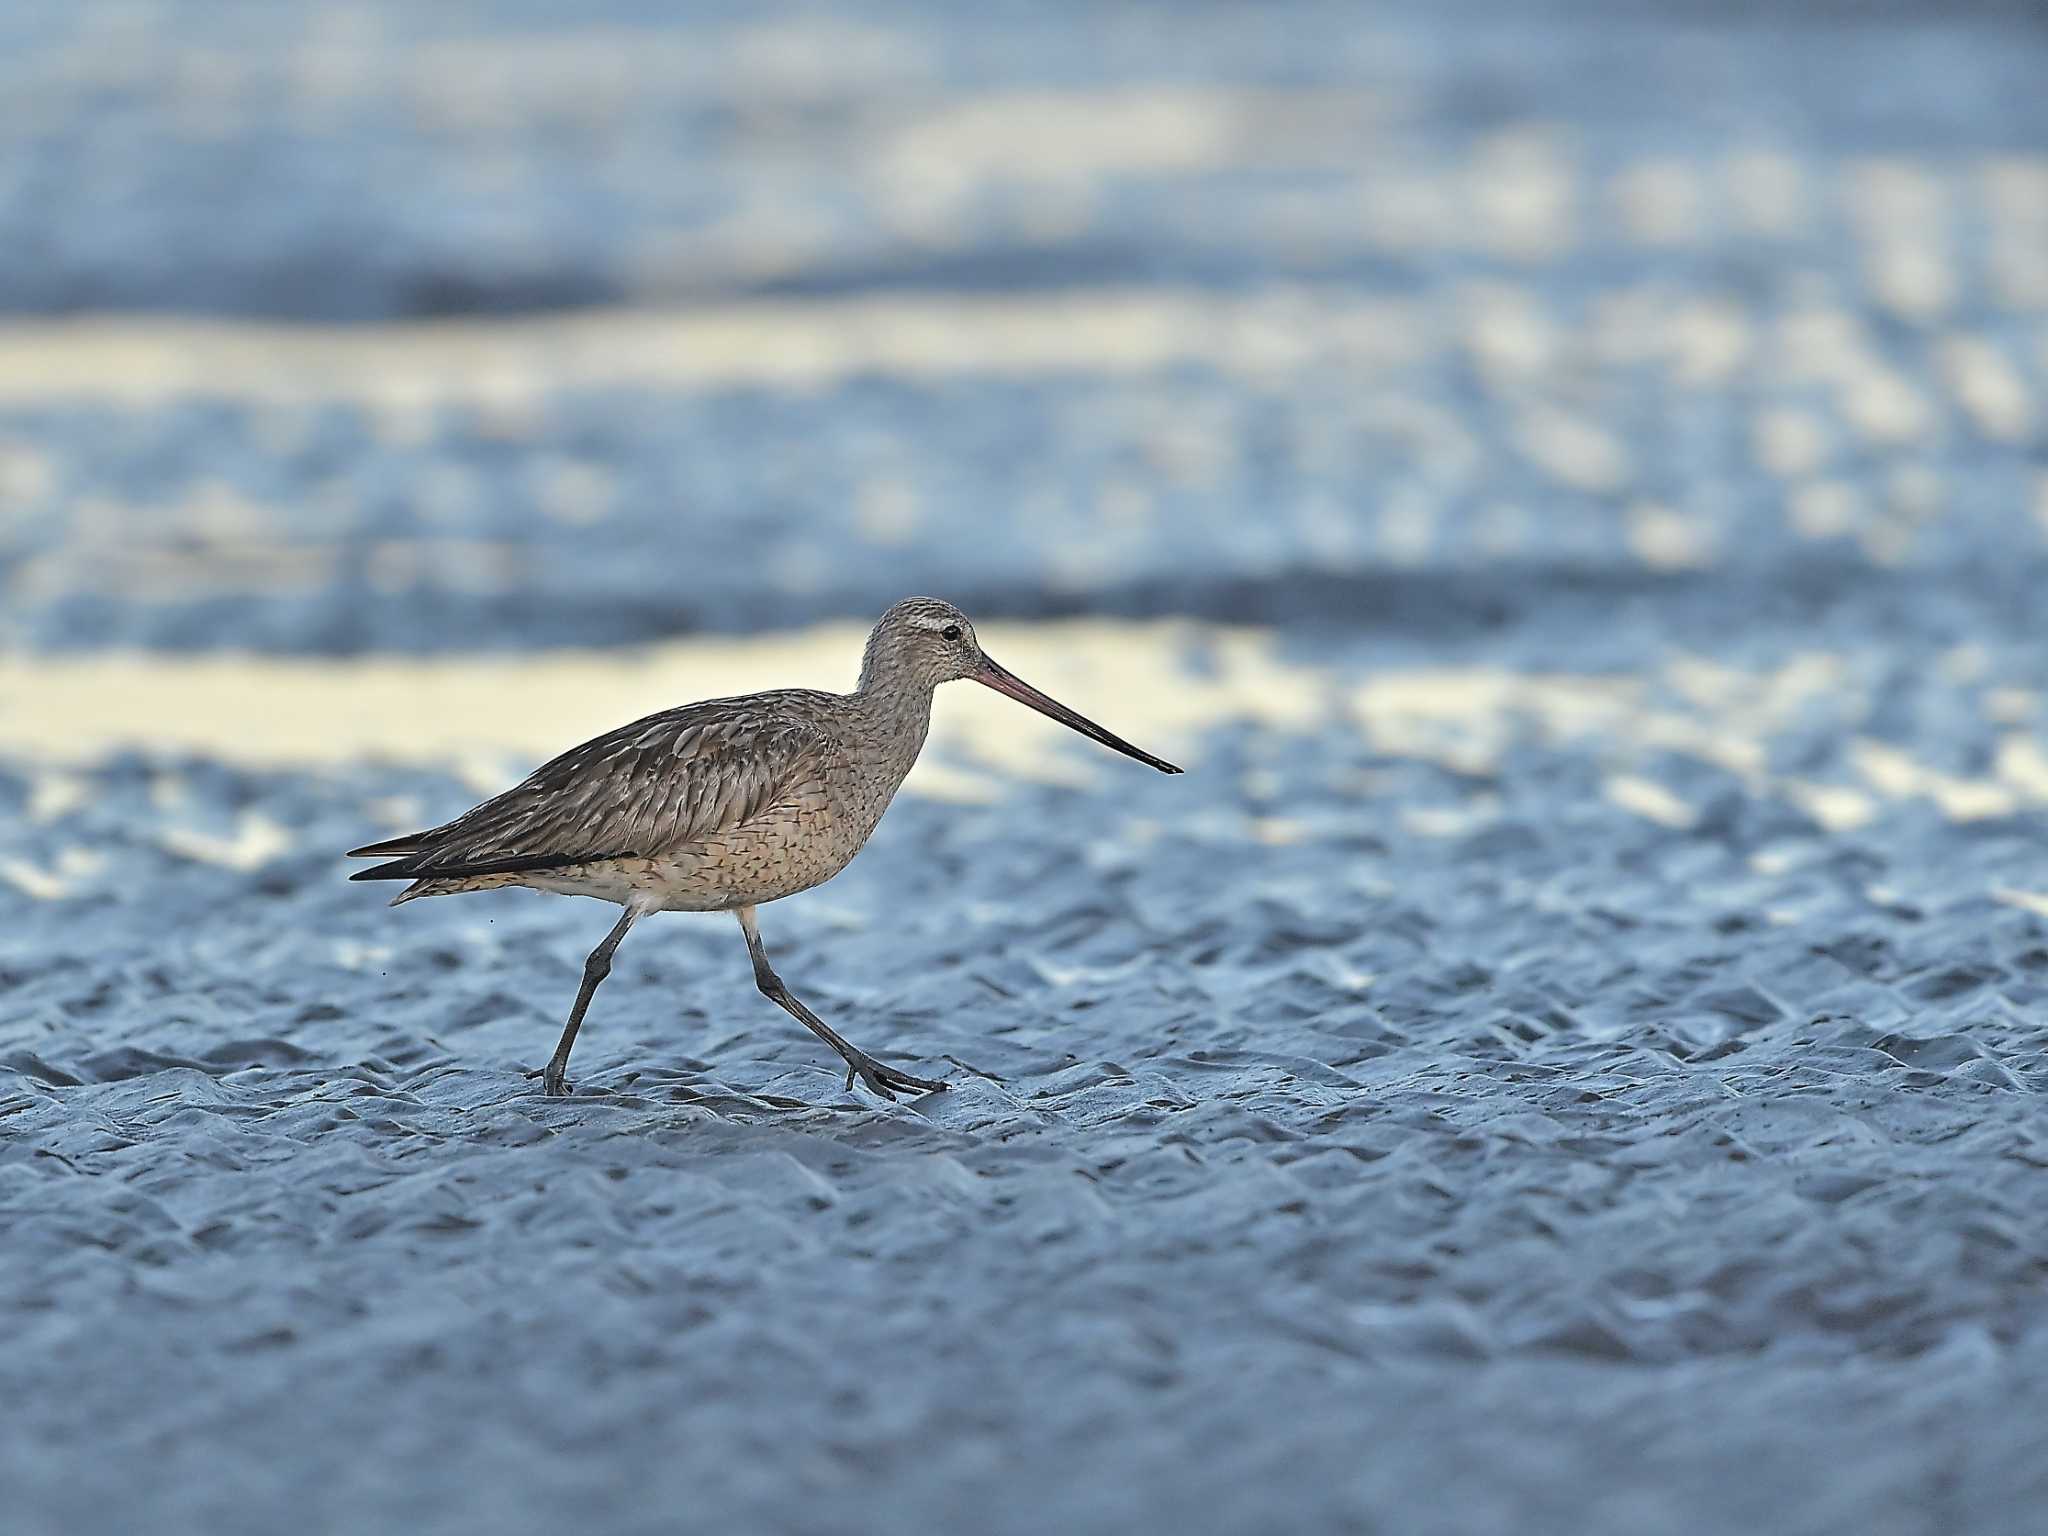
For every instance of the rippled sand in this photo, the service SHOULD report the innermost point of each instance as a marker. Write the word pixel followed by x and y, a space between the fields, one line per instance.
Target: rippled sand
pixel 1456 1075
pixel 1567 1057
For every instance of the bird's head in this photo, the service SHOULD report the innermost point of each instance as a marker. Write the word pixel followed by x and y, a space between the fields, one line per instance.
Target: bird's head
pixel 925 641
pixel 922 642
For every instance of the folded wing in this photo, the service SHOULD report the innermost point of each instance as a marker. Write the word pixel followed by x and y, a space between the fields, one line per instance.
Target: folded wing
pixel 640 791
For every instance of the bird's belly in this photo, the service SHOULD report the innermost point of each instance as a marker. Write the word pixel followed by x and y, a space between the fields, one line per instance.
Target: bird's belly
pixel 765 860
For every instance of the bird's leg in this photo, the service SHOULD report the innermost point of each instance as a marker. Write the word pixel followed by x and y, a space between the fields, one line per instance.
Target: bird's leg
pixel 554 1079
pixel 884 1079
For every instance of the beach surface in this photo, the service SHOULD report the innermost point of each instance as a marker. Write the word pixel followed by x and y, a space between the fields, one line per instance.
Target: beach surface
pixel 1568 1056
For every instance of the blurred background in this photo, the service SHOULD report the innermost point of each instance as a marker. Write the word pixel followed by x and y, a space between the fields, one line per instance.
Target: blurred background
pixel 1570 479
pixel 336 329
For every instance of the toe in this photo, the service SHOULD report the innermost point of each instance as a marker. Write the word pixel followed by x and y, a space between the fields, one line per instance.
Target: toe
pixel 886 1080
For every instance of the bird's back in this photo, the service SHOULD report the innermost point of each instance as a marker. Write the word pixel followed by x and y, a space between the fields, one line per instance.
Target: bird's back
pixel 710 805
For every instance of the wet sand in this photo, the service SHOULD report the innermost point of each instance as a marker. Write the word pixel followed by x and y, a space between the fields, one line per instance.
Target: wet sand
pixel 1477 1111
pixel 1567 1057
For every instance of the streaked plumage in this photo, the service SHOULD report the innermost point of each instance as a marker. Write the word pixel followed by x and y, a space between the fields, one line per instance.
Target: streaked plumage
pixel 700 804
pixel 719 806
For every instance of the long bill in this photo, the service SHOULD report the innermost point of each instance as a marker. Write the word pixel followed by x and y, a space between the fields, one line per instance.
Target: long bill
pixel 1007 682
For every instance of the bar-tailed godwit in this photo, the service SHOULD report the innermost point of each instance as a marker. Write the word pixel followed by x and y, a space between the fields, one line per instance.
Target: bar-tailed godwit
pixel 721 806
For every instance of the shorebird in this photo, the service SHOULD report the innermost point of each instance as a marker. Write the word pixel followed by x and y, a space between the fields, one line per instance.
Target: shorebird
pixel 721 806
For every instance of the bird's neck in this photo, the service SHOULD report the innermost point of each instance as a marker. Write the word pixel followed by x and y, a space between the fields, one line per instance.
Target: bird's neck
pixel 898 708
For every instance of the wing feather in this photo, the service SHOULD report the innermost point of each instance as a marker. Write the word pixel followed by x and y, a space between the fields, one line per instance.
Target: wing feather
pixel 645 789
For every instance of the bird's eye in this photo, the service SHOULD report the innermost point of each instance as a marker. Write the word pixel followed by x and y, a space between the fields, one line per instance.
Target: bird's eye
pixel 951 632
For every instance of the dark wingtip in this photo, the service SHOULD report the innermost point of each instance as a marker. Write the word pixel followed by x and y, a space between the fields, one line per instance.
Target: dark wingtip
pixel 1168 768
pixel 389 848
pixel 400 870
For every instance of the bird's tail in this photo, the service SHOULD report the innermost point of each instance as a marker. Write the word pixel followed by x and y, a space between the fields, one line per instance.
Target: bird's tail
pixel 403 853
pixel 414 857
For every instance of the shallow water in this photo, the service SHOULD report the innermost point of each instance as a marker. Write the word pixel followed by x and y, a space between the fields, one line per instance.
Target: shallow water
pixel 1568 1056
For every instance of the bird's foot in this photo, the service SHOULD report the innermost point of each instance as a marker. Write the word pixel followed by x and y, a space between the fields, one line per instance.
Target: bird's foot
pixel 885 1079
pixel 554 1080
